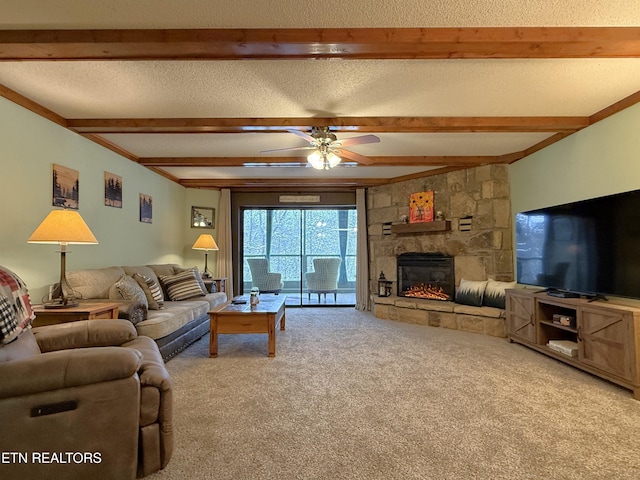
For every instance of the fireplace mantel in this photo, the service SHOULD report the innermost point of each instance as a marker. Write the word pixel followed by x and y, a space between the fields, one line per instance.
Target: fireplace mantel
pixel 424 227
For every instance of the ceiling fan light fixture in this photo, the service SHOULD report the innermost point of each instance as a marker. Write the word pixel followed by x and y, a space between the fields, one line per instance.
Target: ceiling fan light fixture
pixel 333 159
pixel 315 160
pixel 323 160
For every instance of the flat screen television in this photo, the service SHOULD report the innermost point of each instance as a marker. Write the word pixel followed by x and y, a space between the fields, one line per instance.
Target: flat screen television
pixel 590 247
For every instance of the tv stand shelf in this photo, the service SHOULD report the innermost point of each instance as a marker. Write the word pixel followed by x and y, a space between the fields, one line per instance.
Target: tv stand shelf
pixel 607 336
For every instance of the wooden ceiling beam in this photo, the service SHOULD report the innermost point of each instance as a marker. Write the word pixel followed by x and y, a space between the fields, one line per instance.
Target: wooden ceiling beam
pixel 378 161
pixel 317 183
pixel 320 43
pixel 337 124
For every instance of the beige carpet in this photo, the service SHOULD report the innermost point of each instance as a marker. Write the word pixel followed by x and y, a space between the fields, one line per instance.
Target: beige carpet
pixel 349 396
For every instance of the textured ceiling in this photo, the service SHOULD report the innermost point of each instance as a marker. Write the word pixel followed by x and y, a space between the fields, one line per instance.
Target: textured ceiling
pixel 304 89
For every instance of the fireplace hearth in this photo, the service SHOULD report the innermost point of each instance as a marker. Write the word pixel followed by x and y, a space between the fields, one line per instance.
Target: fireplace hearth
pixel 426 275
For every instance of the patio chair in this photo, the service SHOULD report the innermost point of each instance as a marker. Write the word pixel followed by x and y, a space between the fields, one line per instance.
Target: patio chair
pixel 325 277
pixel 267 282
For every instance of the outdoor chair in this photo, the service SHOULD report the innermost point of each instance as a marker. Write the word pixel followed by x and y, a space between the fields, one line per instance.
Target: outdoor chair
pixel 267 282
pixel 325 277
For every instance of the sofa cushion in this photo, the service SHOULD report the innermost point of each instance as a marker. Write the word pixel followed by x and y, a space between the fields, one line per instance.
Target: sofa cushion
pixel 160 323
pixel 215 299
pixel 494 293
pixel 183 285
pixel 94 283
pixel 164 269
pixel 152 290
pixel 479 311
pixel 470 292
pixel 126 288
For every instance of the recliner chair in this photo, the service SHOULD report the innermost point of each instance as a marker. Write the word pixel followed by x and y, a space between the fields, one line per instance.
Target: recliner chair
pixel 86 399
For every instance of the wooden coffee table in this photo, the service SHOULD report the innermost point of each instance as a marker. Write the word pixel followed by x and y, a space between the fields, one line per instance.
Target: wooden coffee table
pixel 263 318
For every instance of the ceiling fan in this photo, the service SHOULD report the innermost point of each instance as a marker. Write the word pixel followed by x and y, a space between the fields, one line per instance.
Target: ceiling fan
pixel 327 149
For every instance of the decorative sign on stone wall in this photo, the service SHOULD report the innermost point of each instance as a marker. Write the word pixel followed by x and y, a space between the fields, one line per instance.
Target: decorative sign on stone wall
pixel 421 207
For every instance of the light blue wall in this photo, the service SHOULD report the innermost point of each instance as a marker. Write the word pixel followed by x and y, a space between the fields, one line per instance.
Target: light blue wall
pixel 602 159
pixel 29 146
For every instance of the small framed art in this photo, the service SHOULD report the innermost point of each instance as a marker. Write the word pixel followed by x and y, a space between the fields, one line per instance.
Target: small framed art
pixel 112 190
pixel 146 208
pixel 202 217
pixel 66 187
pixel 421 207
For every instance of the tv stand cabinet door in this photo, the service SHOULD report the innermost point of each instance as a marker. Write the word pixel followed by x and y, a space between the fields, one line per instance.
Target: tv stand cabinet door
pixel 606 341
pixel 520 308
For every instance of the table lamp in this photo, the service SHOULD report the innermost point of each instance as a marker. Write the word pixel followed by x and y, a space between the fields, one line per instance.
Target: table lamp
pixel 205 242
pixel 62 227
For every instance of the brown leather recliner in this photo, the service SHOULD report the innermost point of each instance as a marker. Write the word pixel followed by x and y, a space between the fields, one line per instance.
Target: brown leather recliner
pixel 87 399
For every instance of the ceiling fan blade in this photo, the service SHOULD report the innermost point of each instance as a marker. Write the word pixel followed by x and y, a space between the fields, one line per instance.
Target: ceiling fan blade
pixel 352 156
pixel 357 140
pixel 287 149
pixel 304 135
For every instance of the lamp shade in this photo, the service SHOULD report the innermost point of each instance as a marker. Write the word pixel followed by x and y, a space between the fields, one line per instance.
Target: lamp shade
pixel 62 226
pixel 205 242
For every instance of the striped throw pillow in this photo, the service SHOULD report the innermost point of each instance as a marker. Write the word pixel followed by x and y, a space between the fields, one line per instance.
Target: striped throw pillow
pixel 152 290
pixel 182 286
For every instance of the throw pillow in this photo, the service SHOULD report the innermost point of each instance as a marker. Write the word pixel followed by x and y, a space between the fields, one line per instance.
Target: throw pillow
pixel 126 288
pixel 183 285
pixel 15 306
pixel 494 293
pixel 152 291
pixel 470 292
pixel 198 276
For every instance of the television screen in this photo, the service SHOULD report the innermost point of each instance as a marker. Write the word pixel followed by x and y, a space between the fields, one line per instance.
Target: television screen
pixel 588 247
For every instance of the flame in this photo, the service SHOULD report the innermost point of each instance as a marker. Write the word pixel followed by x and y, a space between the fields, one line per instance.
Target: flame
pixel 422 290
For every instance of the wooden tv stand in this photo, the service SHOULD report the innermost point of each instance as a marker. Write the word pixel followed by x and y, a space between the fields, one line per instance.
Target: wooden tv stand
pixel 607 336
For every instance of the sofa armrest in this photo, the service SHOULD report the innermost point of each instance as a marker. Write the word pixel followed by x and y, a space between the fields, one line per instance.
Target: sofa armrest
pixel 135 312
pixel 84 333
pixel 67 368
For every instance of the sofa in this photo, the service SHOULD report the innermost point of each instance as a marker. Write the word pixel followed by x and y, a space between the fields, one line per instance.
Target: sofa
pixel 86 399
pixel 165 302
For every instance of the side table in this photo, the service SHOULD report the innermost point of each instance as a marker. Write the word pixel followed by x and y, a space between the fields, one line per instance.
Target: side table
pixel 220 284
pixel 84 311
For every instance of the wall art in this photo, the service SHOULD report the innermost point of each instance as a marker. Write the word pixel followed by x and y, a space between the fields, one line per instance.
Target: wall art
pixel 202 217
pixel 421 207
pixel 146 208
pixel 66 187
pixel 112 190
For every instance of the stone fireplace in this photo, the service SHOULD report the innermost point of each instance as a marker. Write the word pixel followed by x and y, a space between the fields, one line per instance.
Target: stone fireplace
pixel 478 195
pixel 426 275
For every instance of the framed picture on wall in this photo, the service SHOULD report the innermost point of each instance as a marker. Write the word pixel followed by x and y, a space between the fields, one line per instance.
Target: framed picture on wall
pixel 112 190
pixel 202 217
pixel 421 207
pixel 146 208
pixel 66 187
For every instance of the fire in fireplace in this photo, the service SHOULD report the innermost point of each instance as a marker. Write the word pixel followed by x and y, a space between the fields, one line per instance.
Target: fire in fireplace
pixel 426 275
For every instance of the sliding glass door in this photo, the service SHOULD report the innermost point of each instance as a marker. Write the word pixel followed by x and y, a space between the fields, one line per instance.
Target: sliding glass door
pixel 295 242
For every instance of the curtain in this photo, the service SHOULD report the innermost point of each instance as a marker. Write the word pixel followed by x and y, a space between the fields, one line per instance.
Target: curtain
pixel 225 254
pixel 363 301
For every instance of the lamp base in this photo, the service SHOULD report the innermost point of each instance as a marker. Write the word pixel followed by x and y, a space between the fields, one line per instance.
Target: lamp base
pixel 58 303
